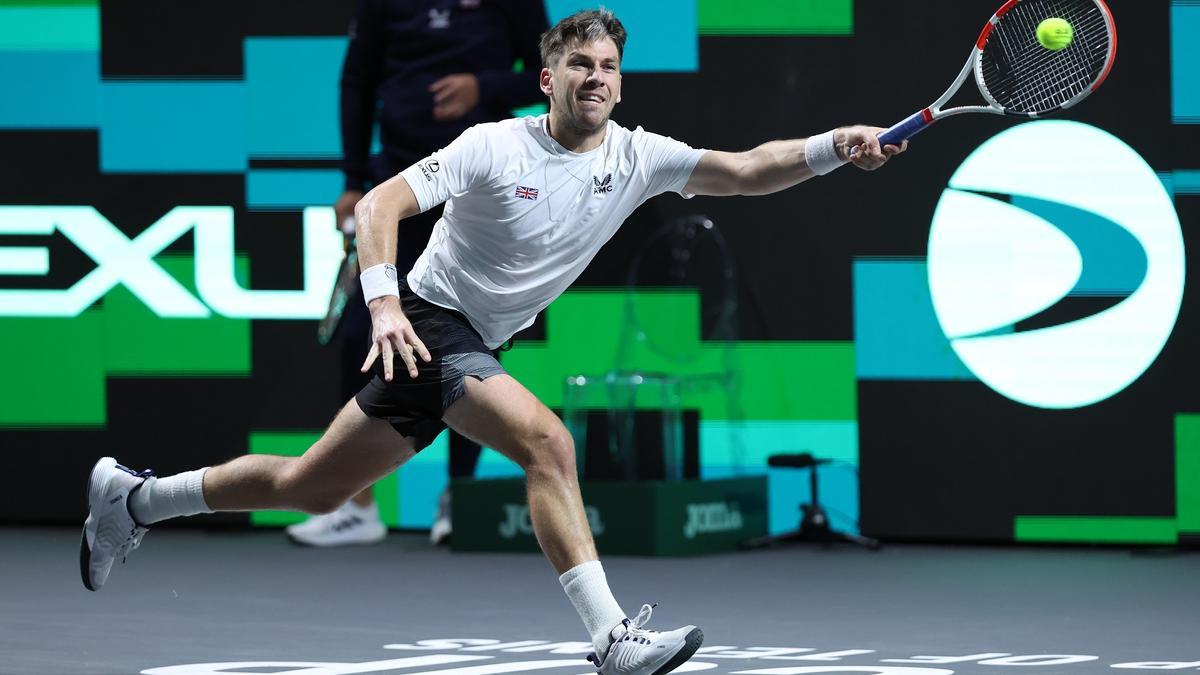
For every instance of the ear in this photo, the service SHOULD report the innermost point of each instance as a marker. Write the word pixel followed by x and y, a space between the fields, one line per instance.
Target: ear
pixel 620 86
pixel 546 82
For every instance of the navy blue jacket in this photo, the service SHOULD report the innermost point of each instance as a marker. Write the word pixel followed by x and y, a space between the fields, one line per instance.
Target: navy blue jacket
pixel 400 47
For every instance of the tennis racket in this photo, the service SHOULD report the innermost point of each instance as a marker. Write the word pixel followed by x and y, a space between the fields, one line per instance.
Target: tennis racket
pixel 343 291
pixel 1018 76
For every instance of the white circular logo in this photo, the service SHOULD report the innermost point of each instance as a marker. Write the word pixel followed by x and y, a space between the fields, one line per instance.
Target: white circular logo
pixel 1042 213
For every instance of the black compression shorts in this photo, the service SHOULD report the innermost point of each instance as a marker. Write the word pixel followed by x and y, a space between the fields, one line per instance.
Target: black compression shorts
pixel 415 406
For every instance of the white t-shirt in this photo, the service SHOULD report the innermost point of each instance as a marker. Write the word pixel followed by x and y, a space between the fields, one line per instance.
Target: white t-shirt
pixel 526 216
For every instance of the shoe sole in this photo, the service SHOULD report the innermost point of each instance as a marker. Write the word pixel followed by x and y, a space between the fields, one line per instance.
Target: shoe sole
pixel 308 544
pixel 690 644
pixel 85 551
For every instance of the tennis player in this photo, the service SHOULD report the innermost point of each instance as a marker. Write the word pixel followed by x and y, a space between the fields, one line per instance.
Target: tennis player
pixel 529 202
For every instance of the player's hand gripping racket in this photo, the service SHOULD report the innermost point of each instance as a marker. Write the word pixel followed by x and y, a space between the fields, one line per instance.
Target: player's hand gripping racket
pixel 1019 76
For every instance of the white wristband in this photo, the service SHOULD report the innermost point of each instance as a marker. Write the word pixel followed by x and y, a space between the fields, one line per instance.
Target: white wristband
pixel 820 153
pixel 379 281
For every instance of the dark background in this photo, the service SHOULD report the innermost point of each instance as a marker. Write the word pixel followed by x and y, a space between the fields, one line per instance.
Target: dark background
pixel 938 460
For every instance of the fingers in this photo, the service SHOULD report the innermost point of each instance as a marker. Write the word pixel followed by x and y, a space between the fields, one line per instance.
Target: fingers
pixel 420 349
pixel 387 359
pixel 406 355
pixel 370 358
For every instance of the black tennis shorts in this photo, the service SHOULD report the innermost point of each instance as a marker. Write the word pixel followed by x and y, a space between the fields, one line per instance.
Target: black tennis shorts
pixel 415 406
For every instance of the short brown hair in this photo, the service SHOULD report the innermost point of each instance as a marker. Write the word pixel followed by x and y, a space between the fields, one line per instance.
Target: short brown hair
pixel 581 28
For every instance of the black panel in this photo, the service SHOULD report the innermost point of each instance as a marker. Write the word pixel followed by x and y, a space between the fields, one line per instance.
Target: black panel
pixel 175 40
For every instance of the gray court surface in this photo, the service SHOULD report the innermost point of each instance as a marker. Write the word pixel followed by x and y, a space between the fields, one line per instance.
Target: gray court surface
pixel 194 602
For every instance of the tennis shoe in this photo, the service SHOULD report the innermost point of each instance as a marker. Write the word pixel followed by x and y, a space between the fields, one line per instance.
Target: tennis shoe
pixel 636 650
pixel 110 532
pixel 350 524
pixel 440 532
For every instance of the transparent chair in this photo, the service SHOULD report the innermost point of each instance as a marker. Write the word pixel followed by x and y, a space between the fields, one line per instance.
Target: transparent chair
pixel 680 319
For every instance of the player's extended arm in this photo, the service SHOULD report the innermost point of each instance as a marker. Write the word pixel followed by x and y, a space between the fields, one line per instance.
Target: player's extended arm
pixel 779 165
pixel 378 215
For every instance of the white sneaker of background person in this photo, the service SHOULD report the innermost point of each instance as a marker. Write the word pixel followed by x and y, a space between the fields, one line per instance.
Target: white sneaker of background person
pixel 440 532
pixel 634 650
pixel 349 524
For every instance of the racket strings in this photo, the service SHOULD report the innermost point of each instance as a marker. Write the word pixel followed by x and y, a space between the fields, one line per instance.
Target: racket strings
pixel 1025 77
pixel 1042 79
pixel 1046 89
pixel 1035 66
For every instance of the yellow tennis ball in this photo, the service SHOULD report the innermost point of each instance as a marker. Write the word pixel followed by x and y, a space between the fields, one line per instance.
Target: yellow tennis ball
pixel 1055 33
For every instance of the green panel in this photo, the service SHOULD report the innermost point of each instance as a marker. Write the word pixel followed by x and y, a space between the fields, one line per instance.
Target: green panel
pixel 57 27
pixel 287 443
pixel 1187 473
pixel 120 338
pixel 775 380
pixel 798 380
pixel 666 518
pixel 293 444
pixel 53 371
pixel 1095 529
pixel 141 343
pixel 776 17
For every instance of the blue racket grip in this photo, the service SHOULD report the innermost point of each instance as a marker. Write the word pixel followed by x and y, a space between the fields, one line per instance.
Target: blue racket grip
pixel 902 131
pixel 906 129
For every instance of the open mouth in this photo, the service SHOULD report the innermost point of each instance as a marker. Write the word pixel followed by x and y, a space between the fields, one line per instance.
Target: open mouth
pixel 592 98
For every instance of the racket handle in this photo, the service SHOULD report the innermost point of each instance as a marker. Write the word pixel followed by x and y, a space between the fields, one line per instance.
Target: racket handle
pixel 903 131
pixel 906 129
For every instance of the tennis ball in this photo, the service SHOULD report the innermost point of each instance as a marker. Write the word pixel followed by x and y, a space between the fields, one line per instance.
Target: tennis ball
pixel 1055 33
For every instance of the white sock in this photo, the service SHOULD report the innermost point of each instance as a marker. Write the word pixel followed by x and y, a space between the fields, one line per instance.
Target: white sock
pixel 161 498
pixel 587 587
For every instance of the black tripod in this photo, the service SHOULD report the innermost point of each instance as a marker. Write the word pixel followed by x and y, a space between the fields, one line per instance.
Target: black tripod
pixel 814 523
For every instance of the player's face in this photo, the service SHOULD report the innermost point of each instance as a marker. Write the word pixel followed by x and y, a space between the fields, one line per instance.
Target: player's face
pixel 586 83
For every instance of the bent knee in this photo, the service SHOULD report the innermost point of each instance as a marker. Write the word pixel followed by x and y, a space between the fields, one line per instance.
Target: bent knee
pixel 552 451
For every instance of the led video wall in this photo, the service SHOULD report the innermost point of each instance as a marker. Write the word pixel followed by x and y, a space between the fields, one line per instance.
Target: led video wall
pixel 989 336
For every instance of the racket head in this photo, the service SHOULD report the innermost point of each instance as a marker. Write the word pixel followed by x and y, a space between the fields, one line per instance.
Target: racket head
pixel 1019 76
pixel 343 291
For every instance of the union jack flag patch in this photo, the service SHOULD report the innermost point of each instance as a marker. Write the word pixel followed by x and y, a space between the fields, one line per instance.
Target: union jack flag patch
pixel 526 192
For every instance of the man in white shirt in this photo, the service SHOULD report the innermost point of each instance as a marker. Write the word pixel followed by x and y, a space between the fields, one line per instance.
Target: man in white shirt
pixel 529 202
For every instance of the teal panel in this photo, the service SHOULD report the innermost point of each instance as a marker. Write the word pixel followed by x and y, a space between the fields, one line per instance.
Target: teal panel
pixel 50 89
pixel 896 333
pixel 730 448
pixel 662 35
pixel 292 96
pixel 173 127
pixel 748 443
pixel 787 489
pixel 1114 263
pixel 54 28
pixel 1185 62
pixel 421 481
pixel 292 188
pixel 1186 182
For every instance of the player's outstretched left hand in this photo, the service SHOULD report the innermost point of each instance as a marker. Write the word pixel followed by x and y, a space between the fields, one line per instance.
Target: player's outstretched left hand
pixel 861 144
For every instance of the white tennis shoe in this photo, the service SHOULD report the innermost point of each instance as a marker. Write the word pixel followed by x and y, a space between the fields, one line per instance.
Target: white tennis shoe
pixel 440 532
pixel 350 524
pixel 110 531
pixel 634 650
